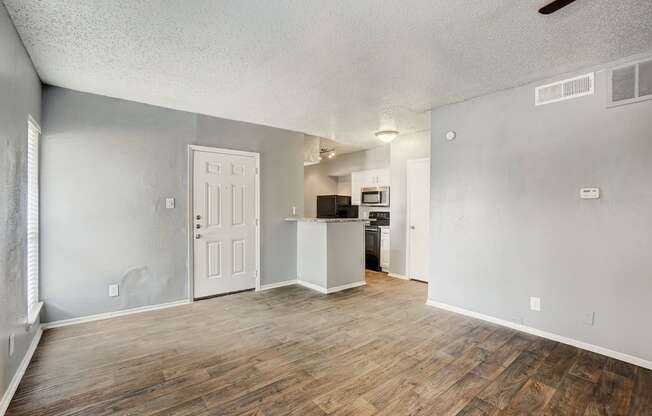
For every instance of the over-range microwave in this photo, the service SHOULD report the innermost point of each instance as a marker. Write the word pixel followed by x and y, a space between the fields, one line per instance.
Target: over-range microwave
pixel 375 197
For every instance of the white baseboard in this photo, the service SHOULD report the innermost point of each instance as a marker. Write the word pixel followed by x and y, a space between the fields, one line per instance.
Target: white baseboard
pixel 549 335
pixel 312 286
pixel 278 284
pixel 398 276
pixel 344 287
pixel 15 381
pixel 329 290
pixel 107 315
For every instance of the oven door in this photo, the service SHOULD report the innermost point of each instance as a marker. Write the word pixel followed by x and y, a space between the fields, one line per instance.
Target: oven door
pixel 372 248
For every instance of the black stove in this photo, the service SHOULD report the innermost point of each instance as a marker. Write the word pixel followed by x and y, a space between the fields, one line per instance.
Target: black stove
pixel 372 239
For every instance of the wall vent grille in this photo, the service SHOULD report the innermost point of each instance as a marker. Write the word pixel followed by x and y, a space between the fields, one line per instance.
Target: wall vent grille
pixel 565 90
pixel 630 84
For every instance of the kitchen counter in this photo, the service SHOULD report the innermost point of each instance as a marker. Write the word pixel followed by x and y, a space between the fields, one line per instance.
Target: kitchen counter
pixel 327 220
pixel 330 253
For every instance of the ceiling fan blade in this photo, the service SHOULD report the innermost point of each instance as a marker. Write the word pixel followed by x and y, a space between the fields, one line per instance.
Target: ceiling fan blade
pixel 554 6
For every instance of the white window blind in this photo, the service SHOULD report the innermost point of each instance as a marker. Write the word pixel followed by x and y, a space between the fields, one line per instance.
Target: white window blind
pixel 33 133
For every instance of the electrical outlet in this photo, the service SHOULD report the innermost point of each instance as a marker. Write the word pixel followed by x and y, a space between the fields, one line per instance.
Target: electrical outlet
pixel 12 342
pixel 535 304
pixel 114 290
pixel 589 318
pixel 169 203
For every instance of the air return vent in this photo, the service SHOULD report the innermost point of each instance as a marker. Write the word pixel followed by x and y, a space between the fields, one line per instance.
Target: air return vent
pixel 565 90
pixel 630 84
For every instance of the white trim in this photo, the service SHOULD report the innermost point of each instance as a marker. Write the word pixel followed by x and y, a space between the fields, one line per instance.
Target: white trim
pixel 408 220
pixel 312 286
pixel 397 276
pixel 609 81
pixel 326 291
pixel 344 287
pixel 34 314
pixel 191 177
pixel 538 102
pixel 18 376
pixel 279 284
pixel 108 315
pixel 533 331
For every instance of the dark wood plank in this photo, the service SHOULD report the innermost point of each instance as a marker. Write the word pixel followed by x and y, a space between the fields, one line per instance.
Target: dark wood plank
pixel 571 398
pixel 612 396
pixel 530 400
pixel 554 366
pixel 588 366
pixel 369 351
pixel 478 407
pixel 642 395
pixel 457 396
pixel 501 391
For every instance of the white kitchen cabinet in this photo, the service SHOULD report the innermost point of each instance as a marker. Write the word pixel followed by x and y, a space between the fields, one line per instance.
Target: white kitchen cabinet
pixel 384 248
pixel 367 179
pixel 380 177
pixel 356 187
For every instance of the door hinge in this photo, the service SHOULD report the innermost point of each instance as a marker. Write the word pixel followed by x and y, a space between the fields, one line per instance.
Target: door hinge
pixel 256 221
pixel 256 171
pixel 256 273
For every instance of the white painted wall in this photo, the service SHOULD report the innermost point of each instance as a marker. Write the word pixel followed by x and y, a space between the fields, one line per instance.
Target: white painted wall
pixel 507 221
pixel 107 167
pixel 404 148
pixel 20 96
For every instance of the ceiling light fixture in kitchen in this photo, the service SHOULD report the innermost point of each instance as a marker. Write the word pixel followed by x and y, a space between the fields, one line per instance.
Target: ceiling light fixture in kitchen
pixel 386 136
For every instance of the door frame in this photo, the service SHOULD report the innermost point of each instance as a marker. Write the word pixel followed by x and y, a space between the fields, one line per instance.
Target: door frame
pixel 407 216
pixel 192 148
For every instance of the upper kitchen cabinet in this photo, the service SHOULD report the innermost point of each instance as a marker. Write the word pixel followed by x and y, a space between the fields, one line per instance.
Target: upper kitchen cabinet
pixel 367 179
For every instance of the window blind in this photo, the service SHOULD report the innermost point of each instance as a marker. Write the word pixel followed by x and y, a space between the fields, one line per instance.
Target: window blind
pixel 33 133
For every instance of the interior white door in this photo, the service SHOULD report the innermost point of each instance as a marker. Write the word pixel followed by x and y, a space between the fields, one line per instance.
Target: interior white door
pixel 418 219
pixel 225 221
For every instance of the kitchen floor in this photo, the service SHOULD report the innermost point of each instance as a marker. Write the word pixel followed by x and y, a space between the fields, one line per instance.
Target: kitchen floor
pixel 374 350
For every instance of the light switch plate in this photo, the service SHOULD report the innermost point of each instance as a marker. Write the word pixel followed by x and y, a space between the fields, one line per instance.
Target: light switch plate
pixel 535 304
pixel 169 203
pixel 589 318
pixel 12 344
pixel 590 193
pixel 114 290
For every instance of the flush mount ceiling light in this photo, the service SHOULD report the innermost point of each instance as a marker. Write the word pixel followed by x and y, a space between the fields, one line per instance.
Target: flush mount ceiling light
pixel 327 152
pixel 386 136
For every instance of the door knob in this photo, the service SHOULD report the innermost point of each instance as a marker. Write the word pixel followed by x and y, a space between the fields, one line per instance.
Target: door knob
pixel 197 236
pixel 197 226
pixel 198 217
pixel 412 227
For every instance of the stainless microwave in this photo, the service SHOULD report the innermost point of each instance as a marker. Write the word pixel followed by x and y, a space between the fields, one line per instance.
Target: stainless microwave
pixel 375 197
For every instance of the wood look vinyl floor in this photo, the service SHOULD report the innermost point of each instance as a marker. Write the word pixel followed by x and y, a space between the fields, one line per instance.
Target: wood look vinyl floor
pixel 374 350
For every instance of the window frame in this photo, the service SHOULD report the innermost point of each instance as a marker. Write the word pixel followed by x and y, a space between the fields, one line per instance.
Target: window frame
pixel 34 305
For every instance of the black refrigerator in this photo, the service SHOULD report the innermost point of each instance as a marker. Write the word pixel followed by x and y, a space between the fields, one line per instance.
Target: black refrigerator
pixel 335 206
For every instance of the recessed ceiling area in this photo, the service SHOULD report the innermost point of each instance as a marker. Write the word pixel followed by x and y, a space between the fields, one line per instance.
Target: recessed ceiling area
pixel 336 69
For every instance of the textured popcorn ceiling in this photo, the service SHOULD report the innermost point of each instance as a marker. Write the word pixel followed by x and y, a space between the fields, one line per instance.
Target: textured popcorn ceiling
pixel 333 68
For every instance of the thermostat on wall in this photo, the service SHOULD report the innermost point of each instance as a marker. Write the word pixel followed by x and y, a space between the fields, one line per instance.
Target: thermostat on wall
pixel 590 193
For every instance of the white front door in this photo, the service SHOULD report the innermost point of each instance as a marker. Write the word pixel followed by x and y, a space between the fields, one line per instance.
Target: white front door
pixel 418 218
pixel 224 221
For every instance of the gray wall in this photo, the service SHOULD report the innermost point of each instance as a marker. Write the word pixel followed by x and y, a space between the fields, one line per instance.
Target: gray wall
pixel 507 222
pixel 375 158
pixel 108 166
pixel 20 95
pixel 316 182
pixel 333 176
pixel 405 147
pixel 323 178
